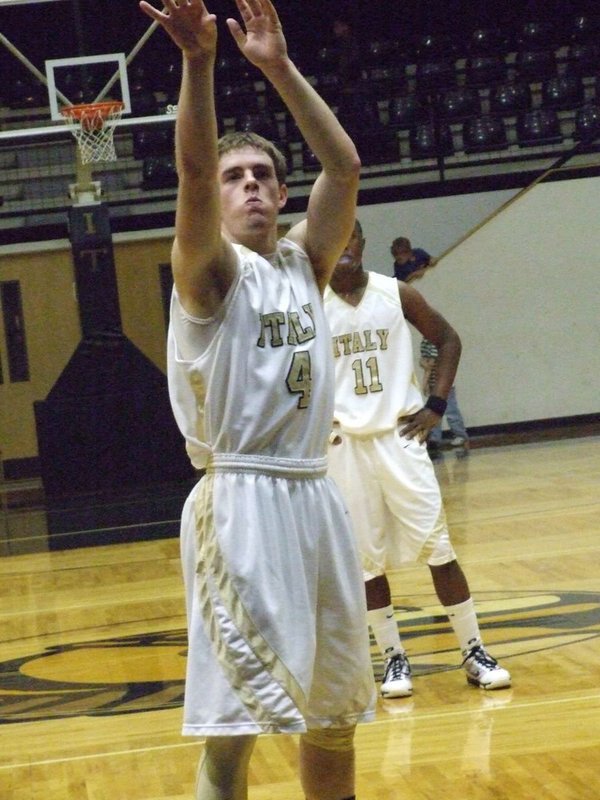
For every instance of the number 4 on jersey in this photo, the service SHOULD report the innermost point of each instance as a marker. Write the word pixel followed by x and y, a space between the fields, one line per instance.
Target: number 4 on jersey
pixel 299 377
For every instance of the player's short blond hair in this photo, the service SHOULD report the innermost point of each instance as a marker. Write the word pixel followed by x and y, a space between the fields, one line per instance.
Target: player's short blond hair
pixel 238 140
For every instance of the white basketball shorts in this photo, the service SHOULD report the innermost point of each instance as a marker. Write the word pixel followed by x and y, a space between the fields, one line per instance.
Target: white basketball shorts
pixel 278 638
pixel 390 488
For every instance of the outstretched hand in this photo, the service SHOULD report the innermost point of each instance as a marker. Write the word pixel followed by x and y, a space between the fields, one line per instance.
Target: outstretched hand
pixel 189 25
pixel 262 42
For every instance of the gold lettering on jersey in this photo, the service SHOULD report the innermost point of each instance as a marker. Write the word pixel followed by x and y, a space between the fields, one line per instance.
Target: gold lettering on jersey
pixel 278 327
pixel 369 345
pixel 383 334
pixel 342 340
pixel 346 344
pixel 297 334
pixel 270 327
pixel 357 344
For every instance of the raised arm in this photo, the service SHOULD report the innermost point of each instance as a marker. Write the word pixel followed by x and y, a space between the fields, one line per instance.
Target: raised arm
pixel 203 262
pixel 434 327
pixel 332 203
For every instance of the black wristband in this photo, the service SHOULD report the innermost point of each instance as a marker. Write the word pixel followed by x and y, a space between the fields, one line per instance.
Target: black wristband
pixel 436 404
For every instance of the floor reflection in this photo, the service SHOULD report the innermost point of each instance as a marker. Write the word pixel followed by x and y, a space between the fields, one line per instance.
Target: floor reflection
pixel 29 523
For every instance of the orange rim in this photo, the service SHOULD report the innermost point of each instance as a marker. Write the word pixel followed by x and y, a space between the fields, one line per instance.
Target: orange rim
pixel 83 110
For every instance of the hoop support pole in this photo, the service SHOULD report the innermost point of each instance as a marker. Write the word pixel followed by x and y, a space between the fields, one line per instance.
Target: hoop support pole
pixel 84 191
pixel 142 41
pixel 31 67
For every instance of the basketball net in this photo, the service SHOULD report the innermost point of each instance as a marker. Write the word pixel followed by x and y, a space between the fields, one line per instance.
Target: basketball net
pixel 95 127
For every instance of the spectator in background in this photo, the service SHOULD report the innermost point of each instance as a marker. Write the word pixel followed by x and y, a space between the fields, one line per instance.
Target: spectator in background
pixel 409 262
pixel 458 431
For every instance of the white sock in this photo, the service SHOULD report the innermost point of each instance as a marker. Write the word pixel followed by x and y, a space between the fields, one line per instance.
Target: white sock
pixel 464 624
pixel 385 630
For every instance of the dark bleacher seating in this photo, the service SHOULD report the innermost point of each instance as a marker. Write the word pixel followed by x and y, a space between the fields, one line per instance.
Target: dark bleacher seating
pixel 230 97
pixel 291 133
pixel 284 147
pixel 233 68
pixel 430 46
pixel 142 89
pixel 383 82
pixel 536 34
pixel 511 97
pixel 459 103
pixel 434 75
pixel 329 87
pixel 484 133
pixel 24 93
pixel 584 28
pixel 376 142
pixel 272 100
pixel 563 92
pixel 79 88
pixel 381 53
pixel 483 70
pixel 535 65
pixel 377 146
pixel 159 172
pixel 487 41
pixel 583 58
pixel 357 113
pixel 539 126
pixel 435 57
pixel 587 123
pixel 144 102
pixel 406 110
pixel 310 163
pixel 168 79
pixel 261 122
pixel 430 141
pixel 326 61
pixel 153 141
pixel 432 79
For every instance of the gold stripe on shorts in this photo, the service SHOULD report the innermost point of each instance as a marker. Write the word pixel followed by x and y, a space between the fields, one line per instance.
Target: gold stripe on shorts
pixel 430 544
pixel 210 561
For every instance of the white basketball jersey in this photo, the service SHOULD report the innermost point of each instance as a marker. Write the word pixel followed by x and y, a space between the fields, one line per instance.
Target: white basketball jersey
pixel 258 377
pixel 375 383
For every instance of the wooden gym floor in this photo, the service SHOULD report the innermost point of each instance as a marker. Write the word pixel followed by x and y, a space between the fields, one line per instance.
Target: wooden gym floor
pixel 92 654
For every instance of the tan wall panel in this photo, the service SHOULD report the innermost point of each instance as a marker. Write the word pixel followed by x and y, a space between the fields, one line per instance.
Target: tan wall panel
pixel 52 332
pixel 53 329
pixel 138 276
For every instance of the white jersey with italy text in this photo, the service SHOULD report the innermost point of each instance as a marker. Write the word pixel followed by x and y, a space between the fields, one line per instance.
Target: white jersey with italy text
pixel 375 382
pixel 257 378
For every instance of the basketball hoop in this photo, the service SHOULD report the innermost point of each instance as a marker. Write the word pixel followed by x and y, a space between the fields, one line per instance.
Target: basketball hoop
pixel 95 129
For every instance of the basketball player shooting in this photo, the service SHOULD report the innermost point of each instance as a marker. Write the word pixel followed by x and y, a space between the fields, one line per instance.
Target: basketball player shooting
pixel 276 608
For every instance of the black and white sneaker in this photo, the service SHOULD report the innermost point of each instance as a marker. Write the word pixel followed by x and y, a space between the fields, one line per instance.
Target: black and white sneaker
pixel 484 671
pixel 396 677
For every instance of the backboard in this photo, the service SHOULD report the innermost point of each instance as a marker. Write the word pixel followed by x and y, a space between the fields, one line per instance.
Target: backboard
pixel 89 71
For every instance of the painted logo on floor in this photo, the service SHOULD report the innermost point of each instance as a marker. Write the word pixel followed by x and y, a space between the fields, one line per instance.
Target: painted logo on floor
pixel 129 674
